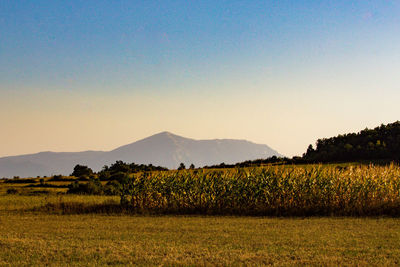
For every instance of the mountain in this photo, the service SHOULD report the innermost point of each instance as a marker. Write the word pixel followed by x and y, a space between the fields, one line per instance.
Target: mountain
pixel 162 149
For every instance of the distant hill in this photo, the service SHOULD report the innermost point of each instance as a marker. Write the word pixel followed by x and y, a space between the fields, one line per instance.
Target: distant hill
pixel 163 149
pixel 380 143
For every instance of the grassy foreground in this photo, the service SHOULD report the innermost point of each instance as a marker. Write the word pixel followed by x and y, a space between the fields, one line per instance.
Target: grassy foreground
pixel 32 239
pixel 35 238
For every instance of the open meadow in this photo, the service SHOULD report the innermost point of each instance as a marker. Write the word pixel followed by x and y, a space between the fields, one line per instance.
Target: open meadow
pixel 37 238
pixel 42 225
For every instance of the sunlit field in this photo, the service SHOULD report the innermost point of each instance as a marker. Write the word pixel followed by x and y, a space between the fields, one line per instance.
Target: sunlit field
pixel 31 233
pixel 40 239
pixel 37 238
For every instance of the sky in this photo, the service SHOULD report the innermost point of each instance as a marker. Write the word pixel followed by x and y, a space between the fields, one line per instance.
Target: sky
pixel 94 75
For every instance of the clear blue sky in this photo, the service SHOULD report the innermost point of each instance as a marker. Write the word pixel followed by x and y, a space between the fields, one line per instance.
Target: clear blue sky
pixel 78 75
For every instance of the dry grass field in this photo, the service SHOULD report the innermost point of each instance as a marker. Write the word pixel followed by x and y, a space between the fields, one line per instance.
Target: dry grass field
pixel 32 235
pixel 35 238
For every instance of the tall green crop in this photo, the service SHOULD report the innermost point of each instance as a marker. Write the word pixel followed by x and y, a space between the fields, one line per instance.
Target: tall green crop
pixel 284 190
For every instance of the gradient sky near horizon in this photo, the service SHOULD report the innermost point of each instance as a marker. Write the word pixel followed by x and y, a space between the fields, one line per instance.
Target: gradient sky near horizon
pixel 94 75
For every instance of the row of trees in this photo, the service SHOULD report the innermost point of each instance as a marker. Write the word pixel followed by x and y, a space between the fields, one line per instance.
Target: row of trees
pixel 257 162
pixel 116 175
pixel 109 172
pixel 380 143
pixel 115 170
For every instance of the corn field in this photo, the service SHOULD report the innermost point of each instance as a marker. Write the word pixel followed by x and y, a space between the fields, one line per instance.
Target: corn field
pixel 279 191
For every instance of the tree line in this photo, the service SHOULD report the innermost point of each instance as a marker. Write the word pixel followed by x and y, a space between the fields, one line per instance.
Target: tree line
pixel 380 143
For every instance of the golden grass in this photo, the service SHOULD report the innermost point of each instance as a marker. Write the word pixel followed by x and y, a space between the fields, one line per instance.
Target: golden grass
pixel 24 203
pixel 36 238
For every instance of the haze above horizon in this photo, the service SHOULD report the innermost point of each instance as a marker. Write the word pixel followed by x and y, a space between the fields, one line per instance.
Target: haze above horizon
pixel 94 75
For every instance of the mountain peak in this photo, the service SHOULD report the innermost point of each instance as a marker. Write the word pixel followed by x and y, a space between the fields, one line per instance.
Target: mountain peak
pixel 165 134
pixel 162 149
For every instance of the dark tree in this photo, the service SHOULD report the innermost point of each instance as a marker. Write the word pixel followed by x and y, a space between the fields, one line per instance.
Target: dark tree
pixel 81 170
pixel 120 166
pixel 181 166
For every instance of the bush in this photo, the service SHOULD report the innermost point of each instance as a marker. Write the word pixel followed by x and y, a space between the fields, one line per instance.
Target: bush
pixel 58 177
pixel 104 175
pixel 181 166
pixel 117 176
pixel 92 187
pixel 81 170
pixel 12 191
pixel 112 188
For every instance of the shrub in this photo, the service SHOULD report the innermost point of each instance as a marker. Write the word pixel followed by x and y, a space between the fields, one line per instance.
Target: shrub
pixel 58 177
pixel 81 170
pixel 181 166
pixel 12 191
pixel 112 188
pixel 92 187
pixel 118 176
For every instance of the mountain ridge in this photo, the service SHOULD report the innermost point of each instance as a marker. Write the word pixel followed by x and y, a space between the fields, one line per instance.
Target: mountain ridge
pixel 163 149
